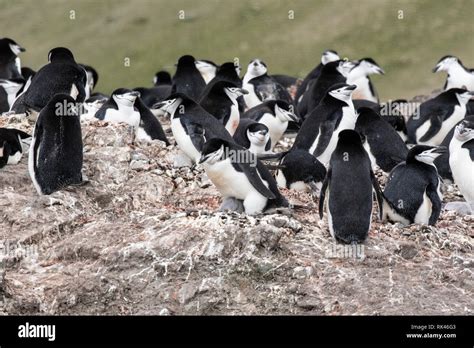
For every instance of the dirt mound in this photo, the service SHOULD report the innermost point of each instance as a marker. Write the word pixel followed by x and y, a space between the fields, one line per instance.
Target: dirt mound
pixel 143 237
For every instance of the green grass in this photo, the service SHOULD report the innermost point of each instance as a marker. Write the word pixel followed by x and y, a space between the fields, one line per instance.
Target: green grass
pixel 150 33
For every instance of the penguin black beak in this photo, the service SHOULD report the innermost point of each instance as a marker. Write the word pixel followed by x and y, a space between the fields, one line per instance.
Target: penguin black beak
pixel 244 91
pixel 441 150
pixel 202 159
pixel 436 68
pixel 22 49
pixel 135 93
pixel 380 71
pixel 351 87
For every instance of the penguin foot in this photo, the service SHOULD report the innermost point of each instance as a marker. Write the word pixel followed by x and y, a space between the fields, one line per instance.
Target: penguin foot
pixel 232 204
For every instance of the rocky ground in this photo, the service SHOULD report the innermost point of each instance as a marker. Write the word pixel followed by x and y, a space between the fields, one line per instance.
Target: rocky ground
pixel 142 237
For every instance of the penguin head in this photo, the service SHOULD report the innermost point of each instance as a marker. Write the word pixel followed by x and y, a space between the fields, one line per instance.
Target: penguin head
pixel 213 151
pixel 162 78
pixel 284 111
pixel 171 103
pixel 206 66
pixel 425 154
pixel 256 68
pixel 60 54
pixel 341 91
pixel 350 137
pixel 366 67
pixel 186 61
pixel 7 44
pixel 464 131
pixel 329 56
pixel 229 70
pixel 11 86
pixel 258 134
pixel 445 63
pixel 230 88
pixel 125 97
pixel 343 66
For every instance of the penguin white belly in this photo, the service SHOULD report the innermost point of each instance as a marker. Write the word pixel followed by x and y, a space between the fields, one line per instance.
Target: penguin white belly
pixel 275 126
pixel 457 115
pixel 328 211
pixel 132 118
pixel 280 179
pixel 31 163
pixel 424 211
pixel 251 98
pixel 462 168
pixel 231 183
pixel 142 135
pixel 373 161
pixel 234 119
pixel 347 122
pixel 183 140
pixel 363 90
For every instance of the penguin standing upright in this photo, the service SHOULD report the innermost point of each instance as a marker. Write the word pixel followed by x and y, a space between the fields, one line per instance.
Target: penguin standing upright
pixel 9 90
pixel 331 73
pixel 207 69
pixel 191 124
pixel 253 135
pixel 262 87
pixel 150 128
pixel 319 132
pixel 220 100
pixel 61 76
pixel 383 145
pixel 359 76
pixel 412 192
pixel 10 67
pixel 120 108
pixel 458 75
pixel 430 124
pixel 461 159
pixel 15 149
pixel 275 114
pixel 188 79
pixel 349 186
pixel 237 173
pixel 327 57
pixel 55 156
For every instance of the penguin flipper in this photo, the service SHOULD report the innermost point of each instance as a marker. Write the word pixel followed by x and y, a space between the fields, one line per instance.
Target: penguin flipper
pixel 378 194
pixel 326 131
pixel 322 196
pixel 195 132
pixel 436 123
pixel 255 180
pixel 432 193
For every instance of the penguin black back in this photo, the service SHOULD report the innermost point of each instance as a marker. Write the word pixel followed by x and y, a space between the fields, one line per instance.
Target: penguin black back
pixel 350 182
pixel 56 154
pixel 188 79
pixel 61 76
pixel 381 139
